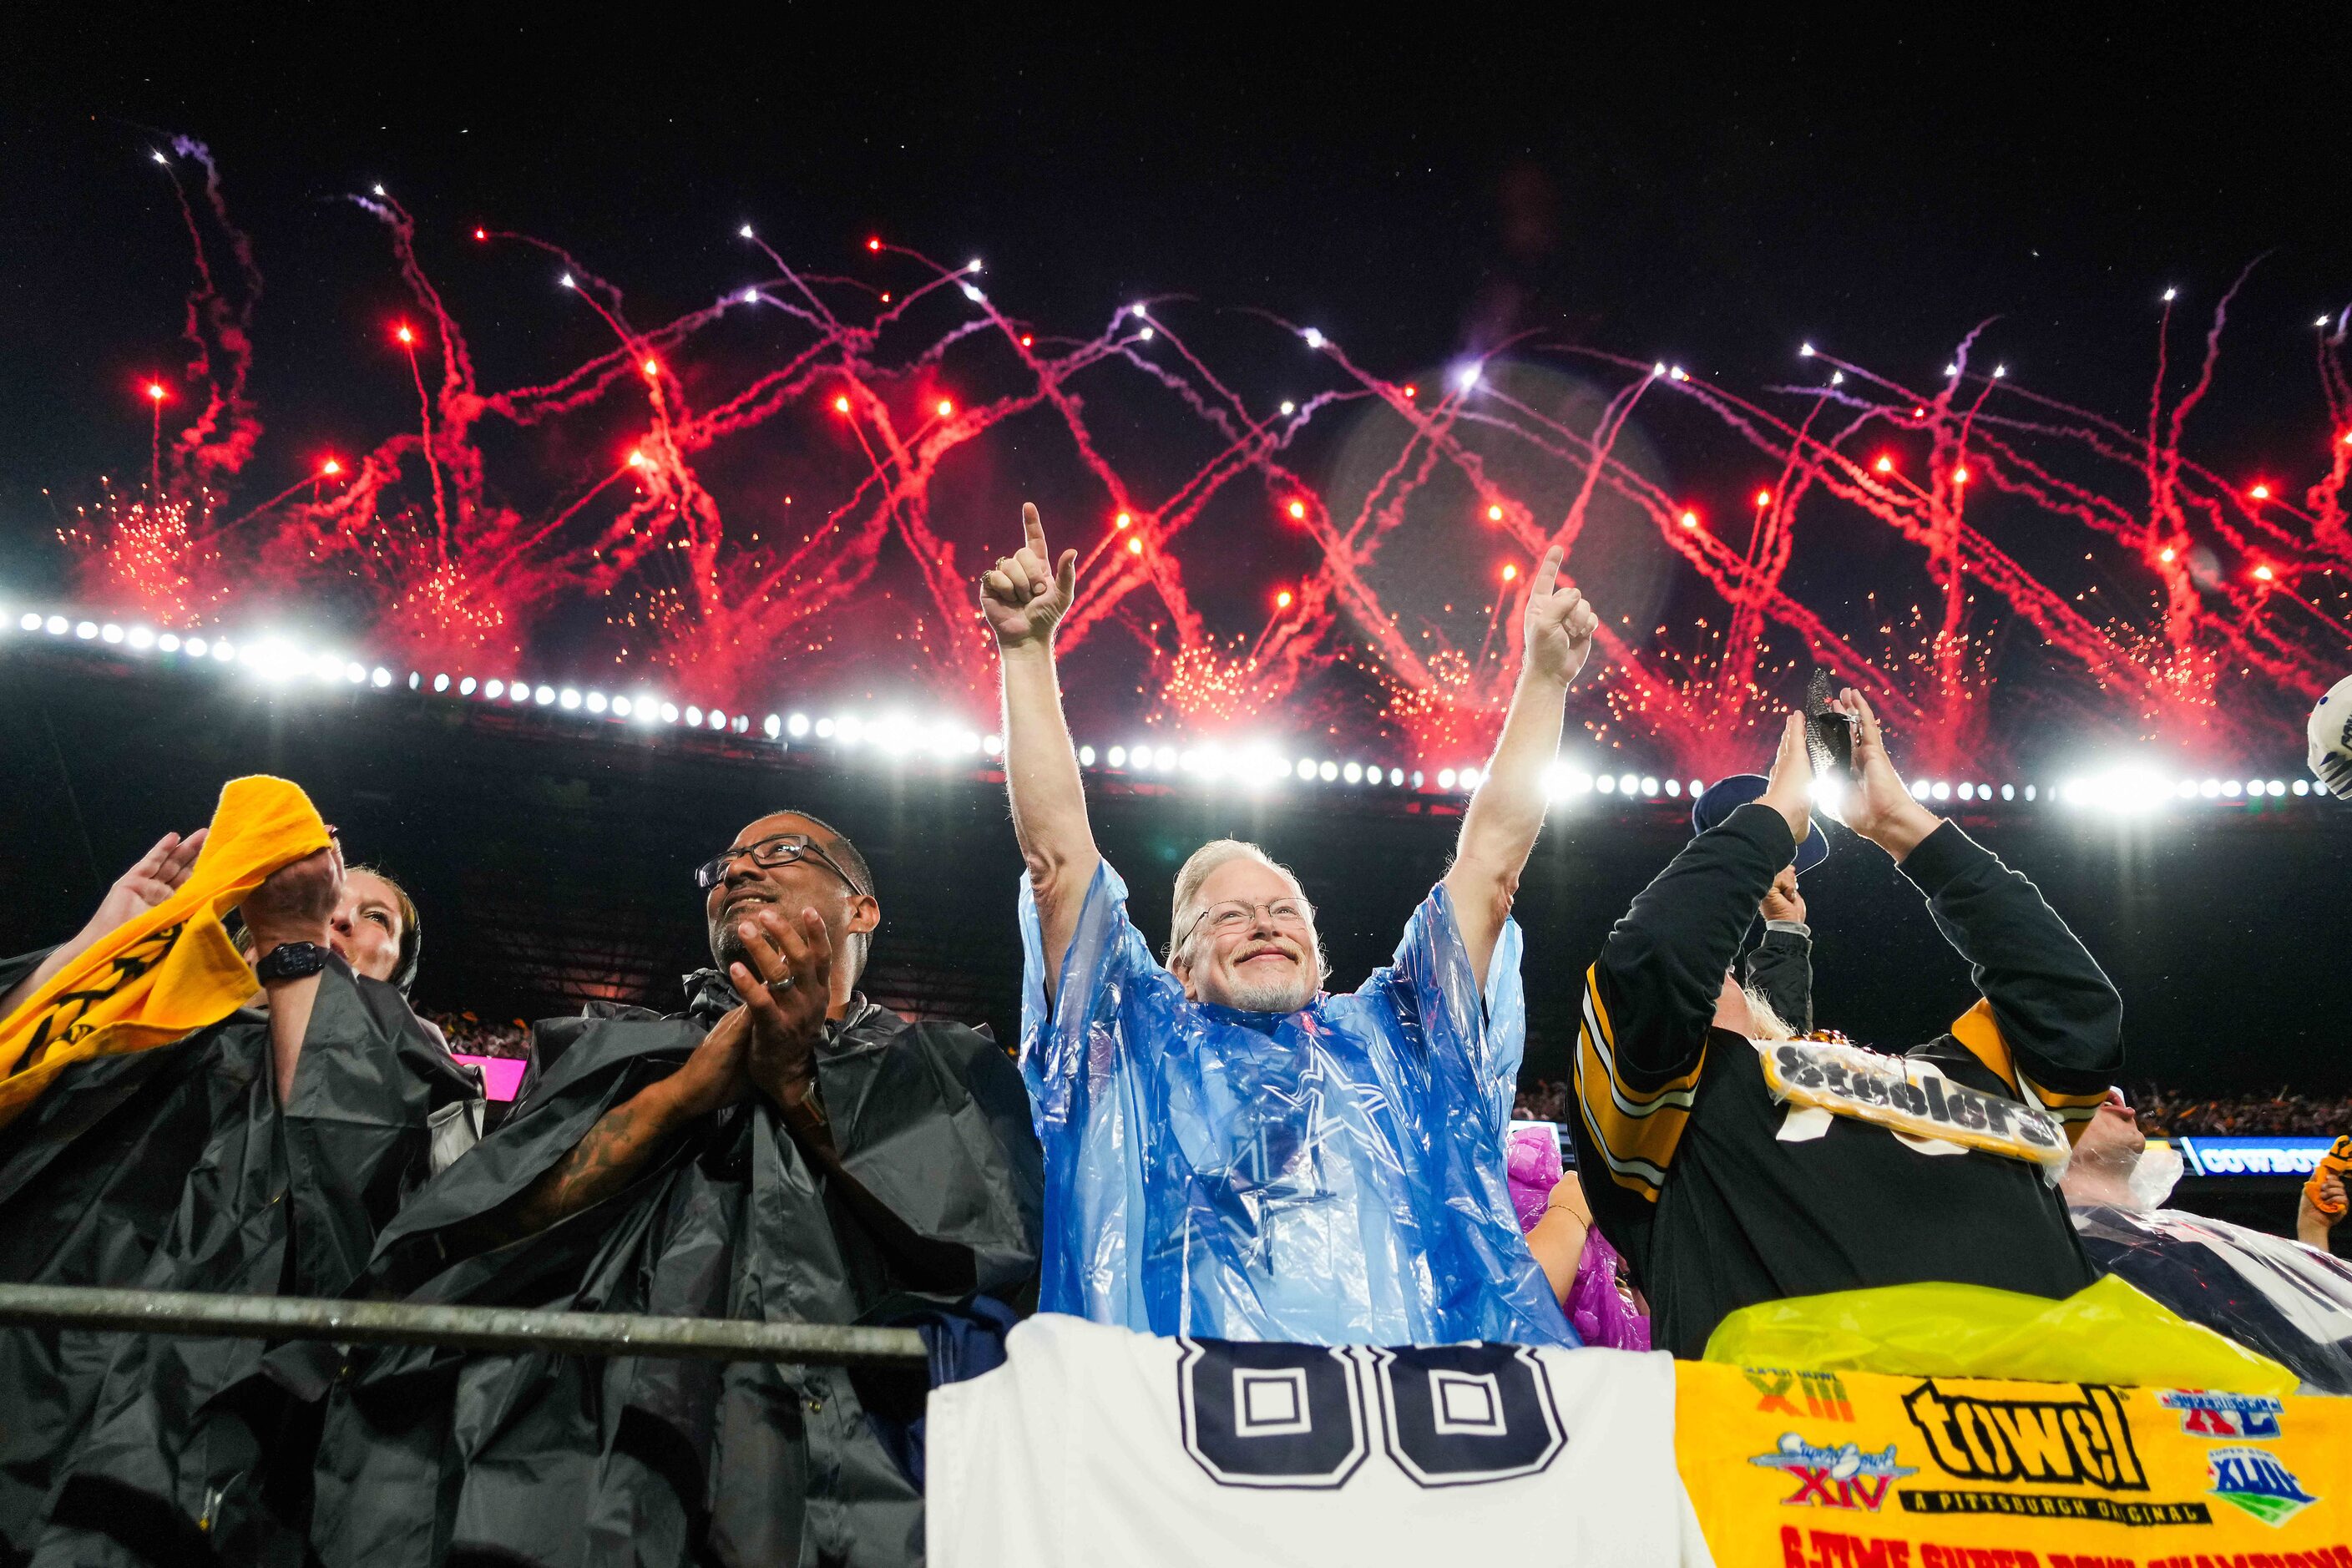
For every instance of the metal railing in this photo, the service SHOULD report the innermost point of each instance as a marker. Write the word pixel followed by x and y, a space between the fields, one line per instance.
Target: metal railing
pixel 459 1328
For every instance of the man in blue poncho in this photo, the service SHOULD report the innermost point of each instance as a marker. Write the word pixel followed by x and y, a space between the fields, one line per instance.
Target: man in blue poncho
pixel 1230 1151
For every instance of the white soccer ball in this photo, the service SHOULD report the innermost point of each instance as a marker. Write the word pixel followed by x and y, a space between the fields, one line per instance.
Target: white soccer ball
pixel 2331 740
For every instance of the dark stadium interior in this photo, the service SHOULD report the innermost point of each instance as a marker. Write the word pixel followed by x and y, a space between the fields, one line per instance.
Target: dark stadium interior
pixel 553 862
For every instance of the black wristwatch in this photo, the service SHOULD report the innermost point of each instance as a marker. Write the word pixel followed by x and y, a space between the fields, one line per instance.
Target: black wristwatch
pixel 291 961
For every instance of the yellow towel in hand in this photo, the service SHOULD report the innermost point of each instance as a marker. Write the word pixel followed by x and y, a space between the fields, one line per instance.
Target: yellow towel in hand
pixel 171 971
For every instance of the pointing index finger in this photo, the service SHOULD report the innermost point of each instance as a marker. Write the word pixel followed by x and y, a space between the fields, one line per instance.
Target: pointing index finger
pixel 1547 573
pixel 1033 530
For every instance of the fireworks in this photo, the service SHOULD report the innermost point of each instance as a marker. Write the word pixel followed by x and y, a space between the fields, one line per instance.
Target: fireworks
pixel 904 410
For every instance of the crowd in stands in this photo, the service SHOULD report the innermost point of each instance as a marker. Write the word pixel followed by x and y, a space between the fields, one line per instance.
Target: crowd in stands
pixel 471 1036
pixel 2284 1114
pixel 1207 1140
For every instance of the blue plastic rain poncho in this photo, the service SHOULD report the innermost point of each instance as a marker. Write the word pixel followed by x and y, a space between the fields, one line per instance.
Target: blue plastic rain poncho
pixel 1334 1176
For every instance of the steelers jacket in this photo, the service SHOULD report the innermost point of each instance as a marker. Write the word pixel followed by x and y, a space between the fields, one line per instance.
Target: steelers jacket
pixel 1719 1199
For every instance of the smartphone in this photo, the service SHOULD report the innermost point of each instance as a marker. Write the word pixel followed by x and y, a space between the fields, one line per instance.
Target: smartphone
pixel 1829 734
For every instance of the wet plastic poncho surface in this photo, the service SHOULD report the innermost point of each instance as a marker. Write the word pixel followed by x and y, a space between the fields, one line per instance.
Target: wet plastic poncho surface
pixel 434 1456
pixel 175 1168
pixel 2292 1302
pixel 1331 1176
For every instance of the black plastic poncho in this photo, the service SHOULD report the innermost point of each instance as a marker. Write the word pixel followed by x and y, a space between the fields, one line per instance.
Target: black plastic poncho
pixel 434 1456
pixel 175 1169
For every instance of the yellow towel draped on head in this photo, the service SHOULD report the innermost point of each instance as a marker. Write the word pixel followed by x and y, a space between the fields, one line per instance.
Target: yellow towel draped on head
pixel 171 971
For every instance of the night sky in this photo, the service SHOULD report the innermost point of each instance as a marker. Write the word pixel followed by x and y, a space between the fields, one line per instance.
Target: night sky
pixel 1683 185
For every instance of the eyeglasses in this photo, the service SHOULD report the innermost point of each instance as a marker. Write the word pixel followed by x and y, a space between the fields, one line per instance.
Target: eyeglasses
pixel 782 849
pixel 1224 920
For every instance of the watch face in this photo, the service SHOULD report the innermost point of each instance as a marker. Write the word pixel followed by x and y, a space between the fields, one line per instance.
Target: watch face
pixel 291 961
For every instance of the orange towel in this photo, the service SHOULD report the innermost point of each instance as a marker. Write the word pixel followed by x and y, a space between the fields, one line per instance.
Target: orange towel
pixel 171 971
pixel 2338 1159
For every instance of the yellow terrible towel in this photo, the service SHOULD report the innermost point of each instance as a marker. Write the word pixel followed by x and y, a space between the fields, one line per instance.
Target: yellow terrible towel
pixel 172 970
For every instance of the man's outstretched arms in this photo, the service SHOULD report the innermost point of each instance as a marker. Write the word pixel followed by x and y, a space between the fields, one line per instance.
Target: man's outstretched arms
pixel 1499 831
pixel 1025 596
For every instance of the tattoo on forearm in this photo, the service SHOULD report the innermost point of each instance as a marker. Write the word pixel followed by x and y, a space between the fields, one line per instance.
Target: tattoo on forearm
pixel 599 1165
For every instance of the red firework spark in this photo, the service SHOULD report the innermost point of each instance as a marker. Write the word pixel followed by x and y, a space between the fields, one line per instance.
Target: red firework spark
pixel 882 408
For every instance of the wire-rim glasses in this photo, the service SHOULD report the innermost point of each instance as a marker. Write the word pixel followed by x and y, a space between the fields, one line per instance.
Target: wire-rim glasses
pixel 1237 915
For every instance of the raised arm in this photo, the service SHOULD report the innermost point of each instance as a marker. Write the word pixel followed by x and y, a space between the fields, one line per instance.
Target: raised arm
pixel 2050 1024
pixel 1651 994
pixel 293 904
pixel 1024 597
pixel 157 876
pixel 1662 969
pixel 1499 831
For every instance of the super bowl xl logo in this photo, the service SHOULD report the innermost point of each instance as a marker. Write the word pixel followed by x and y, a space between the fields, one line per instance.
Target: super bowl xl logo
pixel 2204 1414
pixel 1841 1476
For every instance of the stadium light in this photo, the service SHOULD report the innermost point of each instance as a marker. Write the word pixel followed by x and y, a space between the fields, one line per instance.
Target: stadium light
pixel 273 659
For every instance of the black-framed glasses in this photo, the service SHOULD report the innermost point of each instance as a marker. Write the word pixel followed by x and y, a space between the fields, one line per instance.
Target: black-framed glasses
pixel 777 849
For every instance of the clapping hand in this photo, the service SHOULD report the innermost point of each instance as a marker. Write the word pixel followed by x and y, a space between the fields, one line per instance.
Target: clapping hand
pixel 785 979
pixel 715 1076
pixel 156 876
pixel 160 873
pixel 1559 623
pixel 1026 593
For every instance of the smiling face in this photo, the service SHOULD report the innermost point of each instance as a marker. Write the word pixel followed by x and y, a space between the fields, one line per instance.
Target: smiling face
pixel 807 883
pixel 1263 963
pixel 366 927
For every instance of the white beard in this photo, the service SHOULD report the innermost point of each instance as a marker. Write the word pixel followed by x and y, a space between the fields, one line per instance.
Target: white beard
pixel 1271 994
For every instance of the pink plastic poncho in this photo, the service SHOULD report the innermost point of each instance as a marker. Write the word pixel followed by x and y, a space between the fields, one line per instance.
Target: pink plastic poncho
pixel 1596 1308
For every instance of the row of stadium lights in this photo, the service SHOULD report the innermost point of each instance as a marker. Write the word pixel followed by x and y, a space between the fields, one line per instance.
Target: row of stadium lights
pixel 273 659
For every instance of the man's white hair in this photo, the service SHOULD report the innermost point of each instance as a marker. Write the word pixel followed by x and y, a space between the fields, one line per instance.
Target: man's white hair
pixel 1185 915
pixel 1764 1023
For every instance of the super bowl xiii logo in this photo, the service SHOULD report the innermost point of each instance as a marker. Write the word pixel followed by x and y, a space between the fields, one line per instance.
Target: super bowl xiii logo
pixel 2254 1480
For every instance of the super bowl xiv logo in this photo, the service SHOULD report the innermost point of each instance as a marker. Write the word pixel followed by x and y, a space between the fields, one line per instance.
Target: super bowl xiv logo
pixel 2204 1414
pixel 2254 1480
pixel 1842 1477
